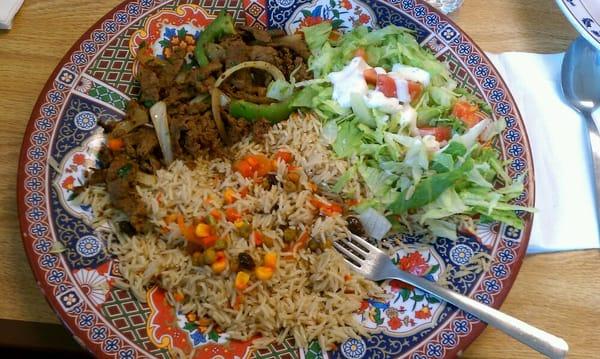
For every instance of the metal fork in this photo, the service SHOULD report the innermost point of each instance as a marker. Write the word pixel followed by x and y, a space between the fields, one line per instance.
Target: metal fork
pixel 375 264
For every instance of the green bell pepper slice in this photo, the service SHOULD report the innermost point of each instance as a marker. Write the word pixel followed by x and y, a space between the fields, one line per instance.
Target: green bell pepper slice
pixel 221 26
pixel 274 113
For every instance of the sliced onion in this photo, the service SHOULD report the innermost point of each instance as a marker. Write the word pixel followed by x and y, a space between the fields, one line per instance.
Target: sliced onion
pixel 310 82
pixel 469 138
pixel 493 128
pixel 225 100
pixel 215 101
pixel 137 118
pixel 160 119
pixel 261 65
pixel 374 223
pixel 199 99
pixel 145 179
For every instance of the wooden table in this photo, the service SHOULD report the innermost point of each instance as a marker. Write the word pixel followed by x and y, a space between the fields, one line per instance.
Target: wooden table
pixel 557 292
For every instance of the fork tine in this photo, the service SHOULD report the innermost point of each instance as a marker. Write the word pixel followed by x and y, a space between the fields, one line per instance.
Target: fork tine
pixel 362 242
pixel 358 247
pixel 355 267
pixel 346 253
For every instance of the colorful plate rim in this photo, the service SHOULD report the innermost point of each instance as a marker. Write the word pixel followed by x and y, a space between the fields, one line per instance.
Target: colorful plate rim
pixel 96 348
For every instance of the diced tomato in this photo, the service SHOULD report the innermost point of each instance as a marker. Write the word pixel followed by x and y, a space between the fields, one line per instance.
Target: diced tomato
pixel 186 231
pixel 264 165
pixel 244 191
pixel 315 202
pixel 440 133
pixel 360 52
pixel 257 238
pixel 328 209
pixel 252 164
pixel 190 236
pixel 387 85
pixel 209 241
pixel 115 144
pixel 463 108
pixel 472 119
pixel 370 76
pixel 244 168
pixel 232 214
pixel 332 209
pixel 216 214
pixel 466 112
pixel 284 155
pixel 252 161
pixel 220 255
pixel 414 89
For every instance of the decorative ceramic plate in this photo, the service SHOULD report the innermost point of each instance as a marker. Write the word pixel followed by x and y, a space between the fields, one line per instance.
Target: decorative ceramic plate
pixel 95 80
pixel 584 15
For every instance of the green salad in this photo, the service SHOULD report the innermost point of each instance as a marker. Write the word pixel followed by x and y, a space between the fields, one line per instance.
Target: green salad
pixel 420 144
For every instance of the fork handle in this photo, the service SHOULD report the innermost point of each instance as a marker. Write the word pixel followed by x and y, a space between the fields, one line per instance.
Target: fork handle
pixel 545 343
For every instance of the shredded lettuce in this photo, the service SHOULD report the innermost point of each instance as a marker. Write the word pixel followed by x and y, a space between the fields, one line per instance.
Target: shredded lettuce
pixel 361 111
pixel 280 90
pixel 447 204
pixel 378 181
pixel 429 189
pixel 330 131
pixel 343 180
pixel 417 178
pixel 442 228
pixel 305 97
pixel 348 139
pixel 316 36
pixel 442 96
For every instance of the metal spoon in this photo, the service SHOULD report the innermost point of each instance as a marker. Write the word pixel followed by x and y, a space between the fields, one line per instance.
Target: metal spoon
pixel 581 85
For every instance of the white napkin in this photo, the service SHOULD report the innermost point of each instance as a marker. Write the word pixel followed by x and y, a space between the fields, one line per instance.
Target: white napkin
pixel 8 9
pixel 566 217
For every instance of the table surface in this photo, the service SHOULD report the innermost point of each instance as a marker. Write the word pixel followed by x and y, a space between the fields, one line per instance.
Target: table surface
pixel 557 292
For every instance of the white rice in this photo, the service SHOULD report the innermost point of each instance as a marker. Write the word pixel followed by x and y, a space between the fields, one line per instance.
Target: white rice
pixel 311 296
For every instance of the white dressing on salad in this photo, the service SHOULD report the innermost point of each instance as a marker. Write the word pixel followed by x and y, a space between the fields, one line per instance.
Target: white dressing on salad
pixel 411 74
pixel 409 120
pixel 431 144
pixel 350 80
pixel 377 100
